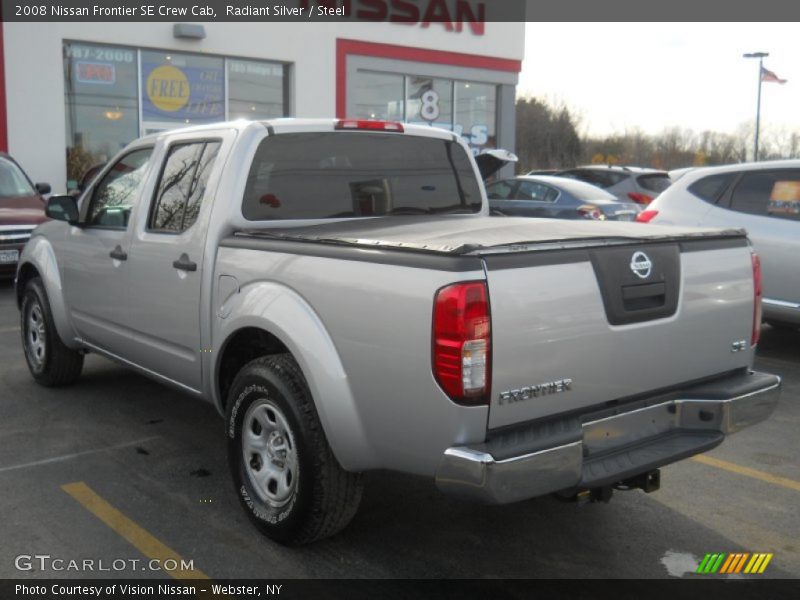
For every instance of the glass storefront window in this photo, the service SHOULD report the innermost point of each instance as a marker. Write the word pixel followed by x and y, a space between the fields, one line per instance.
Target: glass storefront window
pixel 476 111
pixel 100 99
pixel 255 90
pixel 465 107
pixel 379 96
pixel 429 100
pixel 179 88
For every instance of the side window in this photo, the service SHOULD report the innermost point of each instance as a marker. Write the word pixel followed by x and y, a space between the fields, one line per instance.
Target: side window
pixel 768 193
pixel 712 187
pixel 115 195
pixel 182 186
pixel 536 192
pixel 500 190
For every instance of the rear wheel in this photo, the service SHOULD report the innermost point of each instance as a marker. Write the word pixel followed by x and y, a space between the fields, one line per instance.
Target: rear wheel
pixel 50 362
pixel 286 475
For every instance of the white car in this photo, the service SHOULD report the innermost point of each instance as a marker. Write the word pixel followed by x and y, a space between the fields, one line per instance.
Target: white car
pixel 764 199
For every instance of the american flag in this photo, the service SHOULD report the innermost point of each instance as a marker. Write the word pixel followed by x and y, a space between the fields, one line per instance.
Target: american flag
pixel 767 75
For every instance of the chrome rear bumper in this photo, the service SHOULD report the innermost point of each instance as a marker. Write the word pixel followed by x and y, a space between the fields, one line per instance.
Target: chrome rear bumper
pixel 611 448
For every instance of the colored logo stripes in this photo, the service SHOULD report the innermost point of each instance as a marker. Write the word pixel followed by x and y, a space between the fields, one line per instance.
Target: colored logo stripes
pixel 737 562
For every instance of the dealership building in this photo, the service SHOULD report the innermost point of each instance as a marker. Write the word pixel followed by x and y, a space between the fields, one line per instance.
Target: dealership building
pixel 73 94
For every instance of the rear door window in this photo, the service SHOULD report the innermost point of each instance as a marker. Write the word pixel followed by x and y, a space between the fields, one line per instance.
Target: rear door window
pixel 768 193
pixel 358 174
pixel 182 186
pixel 535 192
pixel 500 190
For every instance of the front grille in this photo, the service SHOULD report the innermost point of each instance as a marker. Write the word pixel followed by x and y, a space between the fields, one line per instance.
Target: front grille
pixel 15 234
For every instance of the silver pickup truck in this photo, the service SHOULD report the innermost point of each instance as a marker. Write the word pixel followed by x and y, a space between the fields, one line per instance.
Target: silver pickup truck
pixel 339 292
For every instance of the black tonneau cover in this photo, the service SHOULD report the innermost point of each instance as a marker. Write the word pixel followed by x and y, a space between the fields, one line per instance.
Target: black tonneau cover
pixel 481 235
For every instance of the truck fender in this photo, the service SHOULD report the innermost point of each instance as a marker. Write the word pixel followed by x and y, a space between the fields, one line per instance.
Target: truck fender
pixel 282 312
pixel 38 253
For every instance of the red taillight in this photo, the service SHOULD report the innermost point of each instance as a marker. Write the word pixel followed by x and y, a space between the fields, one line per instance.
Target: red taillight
pixel 646 216
pixel 462 342
pixel 642 199
pixel 589 211
pixel 366 124
pixel 756 299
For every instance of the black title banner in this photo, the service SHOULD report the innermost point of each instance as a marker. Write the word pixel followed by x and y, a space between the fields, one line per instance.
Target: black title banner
pixel 330 11
pixel 399 11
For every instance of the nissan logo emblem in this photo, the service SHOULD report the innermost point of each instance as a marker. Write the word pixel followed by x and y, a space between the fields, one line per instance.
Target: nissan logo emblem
pixel 641 265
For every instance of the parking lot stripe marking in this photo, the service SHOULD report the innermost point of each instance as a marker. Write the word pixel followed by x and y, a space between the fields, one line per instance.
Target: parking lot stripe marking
pixel 727 564
pixel 765 563
pixel 748 472
pixel 9 329
pixel 55 459
pixel 141 539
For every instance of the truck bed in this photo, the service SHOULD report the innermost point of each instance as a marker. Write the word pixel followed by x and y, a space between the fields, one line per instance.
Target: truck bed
pixel 480 236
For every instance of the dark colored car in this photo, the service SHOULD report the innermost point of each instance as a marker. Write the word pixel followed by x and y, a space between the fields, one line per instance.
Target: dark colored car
pixel 21 210
pixel 555 198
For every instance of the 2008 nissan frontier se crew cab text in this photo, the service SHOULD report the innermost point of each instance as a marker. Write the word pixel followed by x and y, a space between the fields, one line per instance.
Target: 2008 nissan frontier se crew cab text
pixel 338 290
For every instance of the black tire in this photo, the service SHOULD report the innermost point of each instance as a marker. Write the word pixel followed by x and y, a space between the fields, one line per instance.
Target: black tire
pixel 50 362
pixel 305 495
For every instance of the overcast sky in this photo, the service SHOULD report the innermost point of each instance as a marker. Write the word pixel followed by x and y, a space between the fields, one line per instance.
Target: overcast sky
pixel 657 75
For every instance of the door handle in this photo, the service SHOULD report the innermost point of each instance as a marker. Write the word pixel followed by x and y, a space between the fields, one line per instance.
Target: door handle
pixel 118 254
pixel 184 264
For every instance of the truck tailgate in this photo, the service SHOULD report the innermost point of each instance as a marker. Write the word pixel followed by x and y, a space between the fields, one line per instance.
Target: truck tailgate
pixel 580 327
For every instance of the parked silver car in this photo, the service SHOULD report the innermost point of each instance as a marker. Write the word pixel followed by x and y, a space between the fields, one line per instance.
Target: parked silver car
pixel 764 199
pixel 629 184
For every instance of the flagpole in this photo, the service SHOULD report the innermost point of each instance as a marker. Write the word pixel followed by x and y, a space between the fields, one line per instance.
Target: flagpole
pixel 760 56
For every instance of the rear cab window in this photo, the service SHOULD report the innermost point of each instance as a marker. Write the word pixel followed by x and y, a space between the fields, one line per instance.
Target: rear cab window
pixel 358 174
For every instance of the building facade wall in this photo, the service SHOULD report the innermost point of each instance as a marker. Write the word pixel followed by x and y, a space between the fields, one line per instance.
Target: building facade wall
pixel 36 124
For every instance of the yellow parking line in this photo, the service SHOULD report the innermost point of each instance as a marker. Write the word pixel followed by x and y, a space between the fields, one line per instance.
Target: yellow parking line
pixel 141 539
pixel 748 472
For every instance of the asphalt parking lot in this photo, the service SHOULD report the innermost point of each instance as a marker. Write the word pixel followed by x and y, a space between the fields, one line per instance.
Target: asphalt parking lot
pixel 118 467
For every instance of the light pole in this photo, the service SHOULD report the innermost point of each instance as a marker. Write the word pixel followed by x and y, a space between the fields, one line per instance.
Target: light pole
pixel 760 56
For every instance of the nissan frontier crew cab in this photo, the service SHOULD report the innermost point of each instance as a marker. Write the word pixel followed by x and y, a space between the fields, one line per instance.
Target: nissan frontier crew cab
pixel 338 290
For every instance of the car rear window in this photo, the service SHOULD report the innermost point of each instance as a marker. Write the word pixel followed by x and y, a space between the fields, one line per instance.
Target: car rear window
pixel 598 177
pixel 657 182
pixel 712 187
pixel 358 174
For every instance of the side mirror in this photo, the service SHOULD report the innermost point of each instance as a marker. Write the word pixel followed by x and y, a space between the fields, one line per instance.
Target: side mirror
pixel 42 188
pixel 62 208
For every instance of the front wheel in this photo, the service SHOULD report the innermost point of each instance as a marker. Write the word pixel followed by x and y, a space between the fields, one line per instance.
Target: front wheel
pixel 286 475
pixel 50 362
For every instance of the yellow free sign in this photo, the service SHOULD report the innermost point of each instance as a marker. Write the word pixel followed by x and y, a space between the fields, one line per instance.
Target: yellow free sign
pixel 168 88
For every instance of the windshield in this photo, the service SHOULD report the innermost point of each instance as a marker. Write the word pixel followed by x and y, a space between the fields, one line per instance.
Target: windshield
pixel 13 183
pixel 357 174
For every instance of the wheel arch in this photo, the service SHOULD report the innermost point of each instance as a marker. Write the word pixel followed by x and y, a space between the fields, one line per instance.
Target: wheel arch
pixel 269 318
pixel 39 260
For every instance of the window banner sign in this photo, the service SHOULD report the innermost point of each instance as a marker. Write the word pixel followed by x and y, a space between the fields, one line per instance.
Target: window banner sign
pixel 190 93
